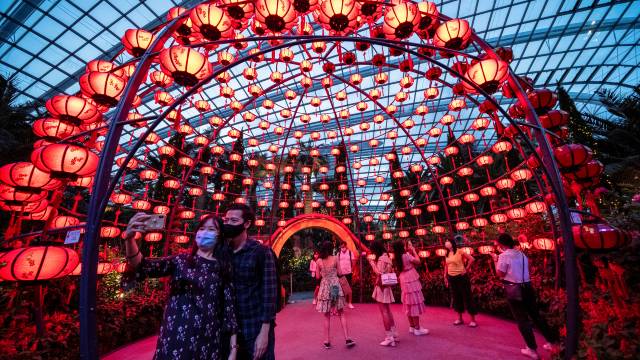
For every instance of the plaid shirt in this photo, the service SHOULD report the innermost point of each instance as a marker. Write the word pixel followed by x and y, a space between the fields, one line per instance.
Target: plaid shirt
pixel 256 289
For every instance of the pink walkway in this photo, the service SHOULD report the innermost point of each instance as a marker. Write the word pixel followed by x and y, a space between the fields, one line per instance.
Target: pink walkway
pixel 299 337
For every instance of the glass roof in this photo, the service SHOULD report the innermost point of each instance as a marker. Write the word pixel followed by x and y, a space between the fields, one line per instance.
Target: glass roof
pixel 584 45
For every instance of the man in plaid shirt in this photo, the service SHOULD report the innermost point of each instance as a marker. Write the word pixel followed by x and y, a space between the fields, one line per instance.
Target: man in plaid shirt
pixel 254 279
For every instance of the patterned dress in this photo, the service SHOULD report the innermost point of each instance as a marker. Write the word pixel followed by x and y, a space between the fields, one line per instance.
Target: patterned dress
pixel 330 294
pixel 198 310
pixel 412 298
pixel 383 294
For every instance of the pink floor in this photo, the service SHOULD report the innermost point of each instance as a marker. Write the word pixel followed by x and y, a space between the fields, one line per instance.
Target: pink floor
pixel 299 336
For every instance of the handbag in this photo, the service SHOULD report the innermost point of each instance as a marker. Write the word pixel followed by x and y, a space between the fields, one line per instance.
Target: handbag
pixel 389 279
pixel 514 290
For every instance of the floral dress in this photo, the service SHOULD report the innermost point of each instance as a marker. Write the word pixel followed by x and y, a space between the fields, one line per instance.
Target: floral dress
pixel 412 297
pixel 330 294
pixel 198 310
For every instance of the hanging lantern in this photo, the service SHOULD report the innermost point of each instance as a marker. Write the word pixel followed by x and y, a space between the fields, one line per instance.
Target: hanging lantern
pixel 457 104
pixel 160 79
pixel 598 236
pixel 487 74
pixel 103 88
pixel 186 65
pixel 521 175
pixel 141 205
pixel 453 34
pixel 484 160
pixel 499 218
pixel 454 202
pixel 465 171
pixel 439 229
pixel 481 123
pixel 24 176
pixel 536 207
pixel 337 16
pixel 161 209
pixel 501 147
pixel 38 263
pixel 211 22
pixel 400 20
pixel 239 10
pixel 542 100
pixel 516 213
pixel 571 156
pixel 554 119
pixel 137 41
pixel 73 110
pixel 471 197
pixel 109 232
pixel 153 237
pixel 120 198
pixel 505 183
pixel 277 16
pixel 488 191
pixel 545 244
pixel 480 222
pixel 65 161
pixel 53 129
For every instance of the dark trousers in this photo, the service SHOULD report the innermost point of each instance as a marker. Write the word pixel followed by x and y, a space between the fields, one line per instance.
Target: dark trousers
pixel 461 294
pixel 245 352
pixel 526 313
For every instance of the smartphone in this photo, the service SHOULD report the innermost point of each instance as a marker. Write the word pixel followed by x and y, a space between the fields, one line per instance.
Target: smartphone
pixel 155 222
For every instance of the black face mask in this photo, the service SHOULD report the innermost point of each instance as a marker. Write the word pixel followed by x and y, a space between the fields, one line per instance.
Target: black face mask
pixel 232 231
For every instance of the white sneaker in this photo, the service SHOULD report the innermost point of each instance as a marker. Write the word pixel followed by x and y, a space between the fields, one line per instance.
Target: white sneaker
pixel 530 353
pixel 314 301
pixel 421 331
pixel 411 329
pixel 388 341
pixel 350 305
pixel 548 346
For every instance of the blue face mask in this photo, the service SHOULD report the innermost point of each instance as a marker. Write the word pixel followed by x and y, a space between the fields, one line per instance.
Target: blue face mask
pixel 206 239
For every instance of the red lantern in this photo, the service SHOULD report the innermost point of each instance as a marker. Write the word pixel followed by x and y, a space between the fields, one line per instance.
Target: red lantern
pixel 554 119
pixel 109 232
pixel 153 237
pixel 536 207
pixel 137 41
pixel 400 20
pixel 499 218
pixel 38 263
pixel 488 191
pixel 484 160
pixel 589 171
pixel 186 65
pixel 211 22
pixel 501 147
pixel 598 236
pixel 480 222
pixel 53 129
pixel 104 88
pixel 277 16
pixel 542 100
pixel 337 16
pixel 65 161
pixel 487 74
pixel 543 244
pixel 485 249
pixel 120 198
pixel 571 156
pixel 73 110
pixel 453 34
pixel 516 213
pixel 142 205
pixel 521 175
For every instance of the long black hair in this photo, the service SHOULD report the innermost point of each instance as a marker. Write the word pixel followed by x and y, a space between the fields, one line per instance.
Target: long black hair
pixel 454 246
pixel 398 251
pixel 377 248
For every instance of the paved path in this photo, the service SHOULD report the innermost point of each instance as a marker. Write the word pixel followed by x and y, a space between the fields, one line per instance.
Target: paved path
pixel 299 337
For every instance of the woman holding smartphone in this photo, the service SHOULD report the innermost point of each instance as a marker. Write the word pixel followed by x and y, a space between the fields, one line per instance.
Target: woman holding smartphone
pixel 200 305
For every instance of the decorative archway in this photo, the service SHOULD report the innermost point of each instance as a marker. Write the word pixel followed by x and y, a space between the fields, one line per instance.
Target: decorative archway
pixel 307 221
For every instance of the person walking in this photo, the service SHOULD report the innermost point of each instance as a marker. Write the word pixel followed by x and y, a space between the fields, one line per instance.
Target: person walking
pixel 405 261
pixel 254 278
pixel 313 269
pixel 512 266
pixel 346 263
pixel 457 279
pixel 331 299
pixel 201 304
pixel 381 264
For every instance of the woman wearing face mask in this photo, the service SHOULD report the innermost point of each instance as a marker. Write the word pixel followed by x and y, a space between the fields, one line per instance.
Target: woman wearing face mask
pixel 200 305
pixel 457 279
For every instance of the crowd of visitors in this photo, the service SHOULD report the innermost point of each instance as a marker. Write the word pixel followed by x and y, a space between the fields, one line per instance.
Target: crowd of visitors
pixel 223 294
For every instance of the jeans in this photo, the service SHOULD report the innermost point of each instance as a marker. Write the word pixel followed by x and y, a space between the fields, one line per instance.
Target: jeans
pixel 461 293
pixel 526 312
pixel 245 352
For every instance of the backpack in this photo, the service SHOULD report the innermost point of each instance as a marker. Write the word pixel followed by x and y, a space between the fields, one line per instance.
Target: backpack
pixel 279 295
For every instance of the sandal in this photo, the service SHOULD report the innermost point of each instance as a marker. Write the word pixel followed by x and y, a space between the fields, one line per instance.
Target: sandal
pixel 327 345
pixel 350 343
pixel 458 322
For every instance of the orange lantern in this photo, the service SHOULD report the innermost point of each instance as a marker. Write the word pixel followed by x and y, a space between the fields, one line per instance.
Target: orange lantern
pixel 186 65
pixel 276 16
pixel 211 22
pixel 487 74
pixel 137 41
pixel 400 20
pixel 38 263
pixel 73 110
pixel 103 88
pixel 65 161
pixel 453 34
pixel 337 16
